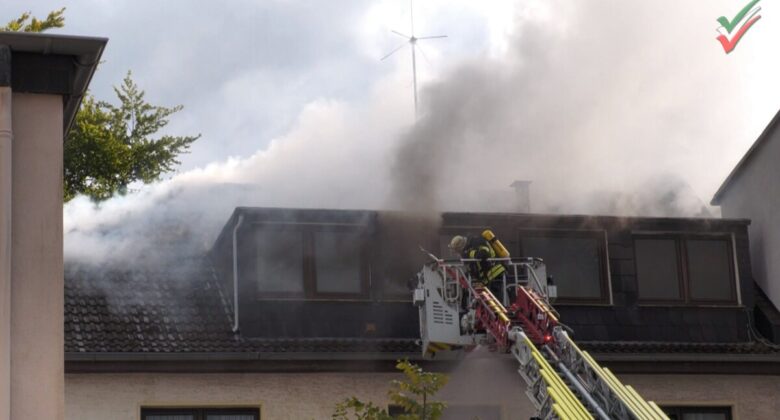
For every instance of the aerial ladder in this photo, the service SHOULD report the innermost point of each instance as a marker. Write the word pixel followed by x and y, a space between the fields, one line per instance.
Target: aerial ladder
pixel 563 381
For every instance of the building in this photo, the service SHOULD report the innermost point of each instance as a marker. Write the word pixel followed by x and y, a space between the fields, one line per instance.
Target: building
pixel 42 81
pixel 294 310
pixel 752 191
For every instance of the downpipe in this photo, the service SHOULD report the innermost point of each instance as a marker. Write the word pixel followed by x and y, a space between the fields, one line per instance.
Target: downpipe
pixel 6 157
pixel 235 272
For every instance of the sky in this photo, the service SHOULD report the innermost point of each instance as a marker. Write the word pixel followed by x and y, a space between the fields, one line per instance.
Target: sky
pixel 608 107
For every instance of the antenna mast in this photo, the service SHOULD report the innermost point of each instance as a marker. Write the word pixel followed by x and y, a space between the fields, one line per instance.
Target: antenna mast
pixel 412 41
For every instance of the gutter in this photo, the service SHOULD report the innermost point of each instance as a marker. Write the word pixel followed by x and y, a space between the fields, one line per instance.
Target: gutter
pixel 233 356
pixel 235 272
pixel 687 357
pixel 6 160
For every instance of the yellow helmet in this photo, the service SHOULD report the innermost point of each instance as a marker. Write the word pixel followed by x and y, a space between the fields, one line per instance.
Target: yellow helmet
pixel 458 243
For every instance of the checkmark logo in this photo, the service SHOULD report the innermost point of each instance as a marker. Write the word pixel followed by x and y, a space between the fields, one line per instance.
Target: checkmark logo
pixel 731 24
pixel 744 20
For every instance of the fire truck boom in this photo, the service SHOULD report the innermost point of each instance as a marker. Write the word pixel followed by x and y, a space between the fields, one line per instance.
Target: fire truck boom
pixel 563 381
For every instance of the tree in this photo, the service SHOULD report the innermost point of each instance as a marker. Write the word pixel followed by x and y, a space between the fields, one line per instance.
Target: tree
pixel 111 146
pixel 55 19
pixel 413 395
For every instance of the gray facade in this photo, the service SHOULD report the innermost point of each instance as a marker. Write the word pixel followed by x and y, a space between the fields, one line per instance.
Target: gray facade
pixel 752 191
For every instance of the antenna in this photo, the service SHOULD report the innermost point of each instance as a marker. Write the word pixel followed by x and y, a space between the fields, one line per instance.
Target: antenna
pixel 412 41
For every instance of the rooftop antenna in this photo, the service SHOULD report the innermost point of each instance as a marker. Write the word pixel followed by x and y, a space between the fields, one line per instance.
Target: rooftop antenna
pixel 412 41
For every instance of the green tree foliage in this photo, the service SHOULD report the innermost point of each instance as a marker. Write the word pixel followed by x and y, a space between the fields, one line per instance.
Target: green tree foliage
pixel 111 146
pixel 414 394
pixel 55 19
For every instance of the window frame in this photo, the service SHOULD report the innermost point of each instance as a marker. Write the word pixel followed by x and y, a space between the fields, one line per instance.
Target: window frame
pixel 200 413
pixel 268 227
pixel 605 282
pixel 683 268
pixel 308 261
pixel 680 410
pixel 363 270
pixel 680 269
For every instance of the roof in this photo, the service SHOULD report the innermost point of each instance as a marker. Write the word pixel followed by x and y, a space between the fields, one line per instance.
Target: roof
pixel 54 64
pixel 746 159
pixel 183 313
pixel 121 310
pixel 121 313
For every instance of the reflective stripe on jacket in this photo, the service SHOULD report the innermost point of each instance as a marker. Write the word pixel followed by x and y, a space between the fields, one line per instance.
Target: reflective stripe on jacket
pixel 491 270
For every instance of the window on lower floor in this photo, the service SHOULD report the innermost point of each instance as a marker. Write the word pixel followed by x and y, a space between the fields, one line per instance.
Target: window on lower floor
pixel 575 260
pixel 698 413
pixel 458 412
pixel 232 413
pixel 685 269
pixel 470 412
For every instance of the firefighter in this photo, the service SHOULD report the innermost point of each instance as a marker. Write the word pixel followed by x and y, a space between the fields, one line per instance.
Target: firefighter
pixel 477 247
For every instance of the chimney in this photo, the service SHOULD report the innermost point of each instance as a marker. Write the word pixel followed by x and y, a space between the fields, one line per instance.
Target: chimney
pixel 522 196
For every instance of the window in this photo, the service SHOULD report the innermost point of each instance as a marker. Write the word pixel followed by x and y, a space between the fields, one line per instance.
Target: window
pixel 470 412
pixel 458 412
pixel 698 413
pixel 658 269
pixel 685 269
pixel 575 260
pixel 337 262
pixel 280 262
pixel 310 262
pixel 200 414
pixel 709 270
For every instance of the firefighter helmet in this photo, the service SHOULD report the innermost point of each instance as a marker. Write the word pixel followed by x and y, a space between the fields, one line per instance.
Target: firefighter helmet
pixel 458 243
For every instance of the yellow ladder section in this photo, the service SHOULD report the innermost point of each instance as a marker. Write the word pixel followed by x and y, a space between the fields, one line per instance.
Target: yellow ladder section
pixel 565 403
pixel 638 406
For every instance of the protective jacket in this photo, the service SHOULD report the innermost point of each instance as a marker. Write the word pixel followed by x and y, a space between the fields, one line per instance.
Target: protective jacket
pixel 485 271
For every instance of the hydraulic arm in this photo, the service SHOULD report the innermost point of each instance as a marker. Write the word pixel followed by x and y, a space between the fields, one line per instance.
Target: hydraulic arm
pixel 563 381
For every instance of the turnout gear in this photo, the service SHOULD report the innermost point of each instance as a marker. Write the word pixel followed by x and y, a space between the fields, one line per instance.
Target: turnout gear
pixel 483 270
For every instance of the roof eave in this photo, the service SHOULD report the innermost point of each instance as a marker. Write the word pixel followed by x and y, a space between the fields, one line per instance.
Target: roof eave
pixel 86 52
pixel 233 356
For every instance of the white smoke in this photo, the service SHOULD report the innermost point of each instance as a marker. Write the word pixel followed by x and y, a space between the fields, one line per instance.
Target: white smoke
pixel 612 107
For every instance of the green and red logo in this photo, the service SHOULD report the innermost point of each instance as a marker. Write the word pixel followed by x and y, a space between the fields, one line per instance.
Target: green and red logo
pixel 744 20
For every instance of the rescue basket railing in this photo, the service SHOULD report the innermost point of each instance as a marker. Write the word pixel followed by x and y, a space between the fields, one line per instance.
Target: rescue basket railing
pixel 520 272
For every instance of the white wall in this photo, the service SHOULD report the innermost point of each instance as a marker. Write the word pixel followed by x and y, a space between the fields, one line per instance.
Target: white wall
pixel 313 395
pixel 753 397
pixel 291 396
pixel 755 194
pixel 37 290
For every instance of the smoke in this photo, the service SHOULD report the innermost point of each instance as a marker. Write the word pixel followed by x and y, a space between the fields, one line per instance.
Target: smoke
pixel 601 108
pixel 604 113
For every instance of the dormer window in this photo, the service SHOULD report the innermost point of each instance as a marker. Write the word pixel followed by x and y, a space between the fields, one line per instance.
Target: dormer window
pixel 310 262
pixel 337 262
pixel 280 262
pixel 681 268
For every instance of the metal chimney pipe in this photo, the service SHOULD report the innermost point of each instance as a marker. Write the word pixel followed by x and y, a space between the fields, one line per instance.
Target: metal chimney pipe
pixel 522 196
pixel 6 156
pixel 235 271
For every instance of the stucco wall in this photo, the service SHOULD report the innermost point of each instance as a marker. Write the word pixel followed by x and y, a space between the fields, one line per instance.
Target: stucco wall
pixel 313 396
pixel 752 397
pixel 37 340
pixel 280 396
pixel 755 194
